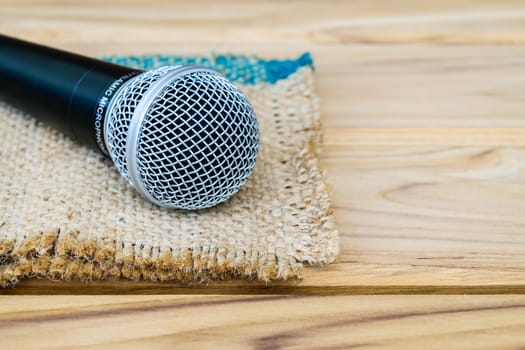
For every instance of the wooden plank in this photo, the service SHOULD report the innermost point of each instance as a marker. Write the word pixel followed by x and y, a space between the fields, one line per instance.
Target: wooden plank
pixel 420 86
pixel 125 287
pixel 278 22
pixel 262 322
pixel 416 210
pixel 378 64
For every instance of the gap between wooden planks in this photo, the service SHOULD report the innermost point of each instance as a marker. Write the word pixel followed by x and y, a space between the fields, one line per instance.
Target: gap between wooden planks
pixel 125 287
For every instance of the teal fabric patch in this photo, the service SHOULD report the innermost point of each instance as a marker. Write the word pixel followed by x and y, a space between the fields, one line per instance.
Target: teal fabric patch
pixel 237 68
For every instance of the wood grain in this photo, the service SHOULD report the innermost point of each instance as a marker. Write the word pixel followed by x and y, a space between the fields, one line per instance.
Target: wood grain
pixel 423 106
pixel 262 322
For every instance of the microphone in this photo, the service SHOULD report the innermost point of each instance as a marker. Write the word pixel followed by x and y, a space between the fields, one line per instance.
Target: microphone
pixel 183 136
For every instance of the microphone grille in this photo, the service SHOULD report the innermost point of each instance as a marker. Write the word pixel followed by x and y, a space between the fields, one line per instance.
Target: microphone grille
pixel 192 139
pixel 120 113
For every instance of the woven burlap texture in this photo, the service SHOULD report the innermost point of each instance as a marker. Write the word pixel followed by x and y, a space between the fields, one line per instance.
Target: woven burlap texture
pixel 66 213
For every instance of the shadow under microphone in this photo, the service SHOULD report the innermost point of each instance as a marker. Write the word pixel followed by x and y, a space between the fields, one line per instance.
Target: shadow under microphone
pixel 183 136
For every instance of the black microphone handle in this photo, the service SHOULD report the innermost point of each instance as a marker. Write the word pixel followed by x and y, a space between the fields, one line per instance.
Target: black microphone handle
pixel 67 91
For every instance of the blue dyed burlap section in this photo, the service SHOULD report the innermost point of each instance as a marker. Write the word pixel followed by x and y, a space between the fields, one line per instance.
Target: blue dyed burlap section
pixel 238 69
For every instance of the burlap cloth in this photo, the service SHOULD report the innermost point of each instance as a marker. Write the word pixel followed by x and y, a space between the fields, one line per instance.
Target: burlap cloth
pixel 66 213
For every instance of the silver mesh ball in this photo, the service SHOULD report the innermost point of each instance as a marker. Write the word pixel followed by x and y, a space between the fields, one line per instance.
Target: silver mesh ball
pixel 185 137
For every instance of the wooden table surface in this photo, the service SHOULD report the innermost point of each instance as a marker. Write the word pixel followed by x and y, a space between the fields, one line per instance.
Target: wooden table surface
pixel 423 105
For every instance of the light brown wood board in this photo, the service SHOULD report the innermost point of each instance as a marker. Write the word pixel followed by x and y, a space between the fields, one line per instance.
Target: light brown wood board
pixel 262 322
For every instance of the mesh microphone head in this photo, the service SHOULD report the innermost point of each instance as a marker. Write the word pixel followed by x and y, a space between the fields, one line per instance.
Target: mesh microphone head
pixel 184 136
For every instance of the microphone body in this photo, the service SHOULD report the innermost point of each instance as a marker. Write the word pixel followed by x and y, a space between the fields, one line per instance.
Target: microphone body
pixel 183 136
pixel 60 88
